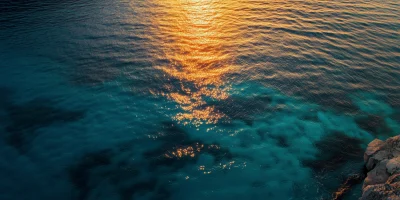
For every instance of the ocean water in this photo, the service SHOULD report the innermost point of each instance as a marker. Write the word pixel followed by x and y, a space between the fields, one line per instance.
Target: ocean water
pixel 193 99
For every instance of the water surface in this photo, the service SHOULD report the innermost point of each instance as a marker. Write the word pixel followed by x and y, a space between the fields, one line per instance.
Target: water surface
pixel 193 99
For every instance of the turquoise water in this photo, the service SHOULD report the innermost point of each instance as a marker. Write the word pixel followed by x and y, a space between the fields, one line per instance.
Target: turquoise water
pixel 190 99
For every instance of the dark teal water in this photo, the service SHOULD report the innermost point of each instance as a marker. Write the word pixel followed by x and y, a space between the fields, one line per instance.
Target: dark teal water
pixel 190 99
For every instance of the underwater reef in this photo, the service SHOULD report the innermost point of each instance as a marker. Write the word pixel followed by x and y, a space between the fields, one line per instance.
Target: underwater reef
pixel 382 160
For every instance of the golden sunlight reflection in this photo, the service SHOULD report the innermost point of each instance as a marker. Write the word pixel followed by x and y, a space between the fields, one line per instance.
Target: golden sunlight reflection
pixel 188 151
pixel 195 38
pixel 194 150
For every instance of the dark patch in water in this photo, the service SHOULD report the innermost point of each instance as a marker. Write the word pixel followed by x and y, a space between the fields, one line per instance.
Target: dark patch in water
pixel 374 124
pixel 219 153
pixel 138 188
pixel 121 173
pixel 281 141
pixel 258 184
pixel 179 150
pixel 338 102
pixel 125 174
pixel 80 174
pixel 94 74
pixel 5 95
pixel 25 119
pixel 261 134
pixel 244 108
pixel 311 116
pixel 396 116
pixel 337 153
pixel 158 191
pixel 335 150
pixel 176 156
pixel 29 5
pixel 171 133
pixel 108 165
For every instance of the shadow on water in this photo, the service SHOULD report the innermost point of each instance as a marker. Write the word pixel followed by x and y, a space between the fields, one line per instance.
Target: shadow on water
pixel 245 109
pixel 80 174
pixel 114 167
pixel 89 70
pixel 33 13
pixel 374 124
pixel 26 119
pixel 132 178
pixel 339 102
pixel 335 151
pixel 27 5
pixel 178 150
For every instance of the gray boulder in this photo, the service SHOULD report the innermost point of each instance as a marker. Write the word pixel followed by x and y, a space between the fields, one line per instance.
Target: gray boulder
pixel 382 160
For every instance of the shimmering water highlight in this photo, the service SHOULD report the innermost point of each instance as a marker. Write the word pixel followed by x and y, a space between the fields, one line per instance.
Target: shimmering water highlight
pixel 193 99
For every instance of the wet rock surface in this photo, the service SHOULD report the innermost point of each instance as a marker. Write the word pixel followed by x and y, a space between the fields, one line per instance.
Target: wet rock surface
pixel 382 160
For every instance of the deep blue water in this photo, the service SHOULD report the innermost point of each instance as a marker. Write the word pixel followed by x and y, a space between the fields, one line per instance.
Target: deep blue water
pixel 191 99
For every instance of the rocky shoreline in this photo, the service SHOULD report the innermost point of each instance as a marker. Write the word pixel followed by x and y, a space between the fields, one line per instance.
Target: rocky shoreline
pixel 382 162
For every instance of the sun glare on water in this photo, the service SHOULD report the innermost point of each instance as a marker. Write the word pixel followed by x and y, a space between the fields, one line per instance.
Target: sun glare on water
pixel 196 41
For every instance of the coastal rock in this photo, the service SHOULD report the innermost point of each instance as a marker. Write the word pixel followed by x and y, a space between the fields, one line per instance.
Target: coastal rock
pixel 389 190
pixel 372 148
pixel 393 165
pixel 378 175
pixel 382 160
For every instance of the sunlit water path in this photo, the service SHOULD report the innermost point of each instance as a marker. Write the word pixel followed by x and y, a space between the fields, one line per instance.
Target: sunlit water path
pixel 193 99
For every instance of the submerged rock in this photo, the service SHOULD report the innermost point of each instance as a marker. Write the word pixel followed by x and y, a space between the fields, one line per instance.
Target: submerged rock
pixel 26 119
pixel 335 150
pixel 382 160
